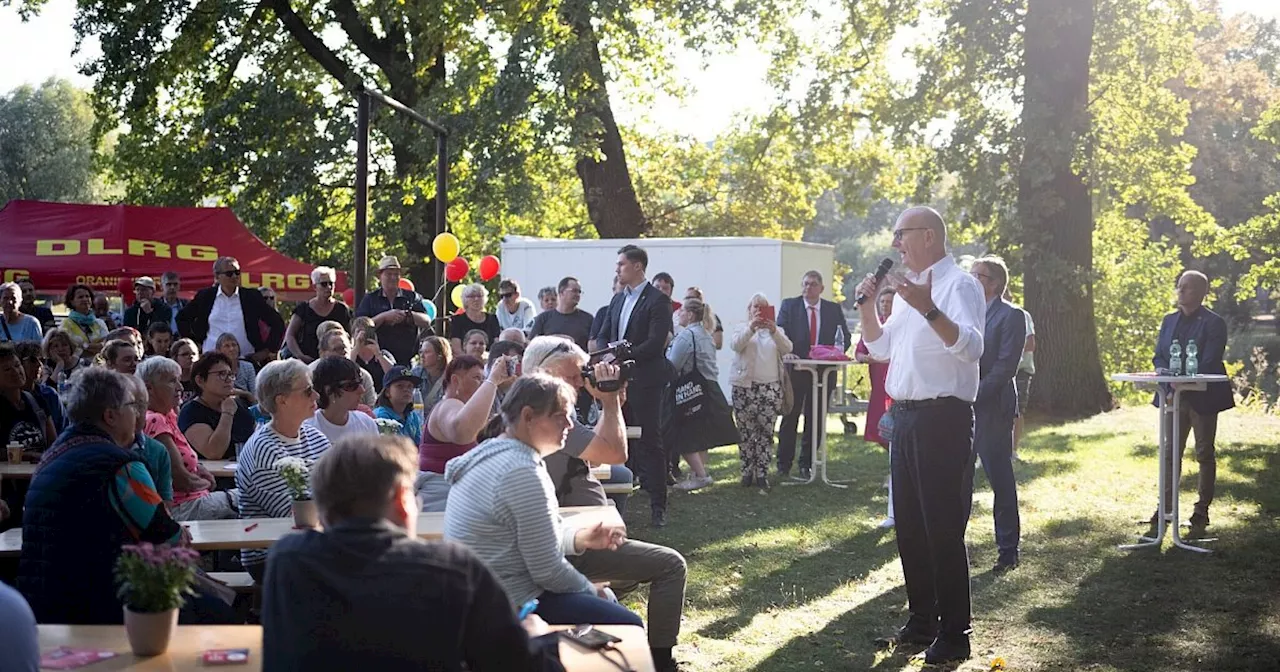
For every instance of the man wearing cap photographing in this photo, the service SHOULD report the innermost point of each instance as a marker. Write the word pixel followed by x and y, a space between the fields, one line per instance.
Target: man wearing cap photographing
pixel 146 309
pixel 398 314
pixel 395 402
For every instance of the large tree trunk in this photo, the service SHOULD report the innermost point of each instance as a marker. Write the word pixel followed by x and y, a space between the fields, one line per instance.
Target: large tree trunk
pixel 1055 211
pixel 606 182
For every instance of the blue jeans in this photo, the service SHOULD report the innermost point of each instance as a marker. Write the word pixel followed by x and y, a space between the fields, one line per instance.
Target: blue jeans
pixel 619 473
pixel 582 608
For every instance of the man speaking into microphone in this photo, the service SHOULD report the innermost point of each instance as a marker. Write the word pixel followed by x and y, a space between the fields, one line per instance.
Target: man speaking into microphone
pixel 934 339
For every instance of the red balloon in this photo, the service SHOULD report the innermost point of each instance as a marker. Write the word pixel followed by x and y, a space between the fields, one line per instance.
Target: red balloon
pixel 125 287
pixel 407 285
pixel 349 296
pixel 457 269
pixel 489 268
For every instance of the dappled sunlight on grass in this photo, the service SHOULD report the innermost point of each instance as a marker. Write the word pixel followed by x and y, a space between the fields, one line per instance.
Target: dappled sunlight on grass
pixel 801 579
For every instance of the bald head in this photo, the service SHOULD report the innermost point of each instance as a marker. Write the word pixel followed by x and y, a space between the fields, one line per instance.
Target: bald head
pixel 920 236
pixel 1193 286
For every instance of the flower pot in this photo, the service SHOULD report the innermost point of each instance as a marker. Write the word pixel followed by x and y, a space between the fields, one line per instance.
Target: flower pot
pixel 305 513
pixel 149 633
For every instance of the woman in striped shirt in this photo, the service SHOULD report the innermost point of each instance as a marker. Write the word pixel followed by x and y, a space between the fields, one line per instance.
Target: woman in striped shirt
pixel 503 507
pixel 285 393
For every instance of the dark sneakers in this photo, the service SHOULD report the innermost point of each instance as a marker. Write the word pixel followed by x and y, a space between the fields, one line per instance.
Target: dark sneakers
pixel 658 517
pixel 1005 564
pixel 917 632
pixel 950 650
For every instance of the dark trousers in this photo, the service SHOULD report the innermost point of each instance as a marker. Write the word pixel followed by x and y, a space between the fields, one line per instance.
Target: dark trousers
pixel 802 385
pixel 1206 429
pixel 993 441
pixel 648 459
pixel 932 465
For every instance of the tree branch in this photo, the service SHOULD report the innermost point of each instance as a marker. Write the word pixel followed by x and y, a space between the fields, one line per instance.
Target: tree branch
pixel 382 52
pixel 315 47
pixel 237 54
pixel 705 199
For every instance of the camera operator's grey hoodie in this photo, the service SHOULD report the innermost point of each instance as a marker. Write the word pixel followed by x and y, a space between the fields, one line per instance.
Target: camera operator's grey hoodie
pixel 503 507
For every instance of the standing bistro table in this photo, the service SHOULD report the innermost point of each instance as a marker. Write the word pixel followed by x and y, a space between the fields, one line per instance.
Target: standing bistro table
pixel 1167 515
pixel 821 372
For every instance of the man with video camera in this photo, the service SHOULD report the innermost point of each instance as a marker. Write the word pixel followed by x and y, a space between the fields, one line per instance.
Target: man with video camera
pixel 634 562
pixel 641 315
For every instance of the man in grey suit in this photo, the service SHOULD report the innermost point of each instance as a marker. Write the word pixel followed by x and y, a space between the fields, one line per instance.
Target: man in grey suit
pixel 997 404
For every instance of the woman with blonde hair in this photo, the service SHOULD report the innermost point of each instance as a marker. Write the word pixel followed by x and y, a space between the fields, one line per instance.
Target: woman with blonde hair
pixel 59 357
pixel 693 348
pixel 757 376
pixel 710 321
pixel 301 335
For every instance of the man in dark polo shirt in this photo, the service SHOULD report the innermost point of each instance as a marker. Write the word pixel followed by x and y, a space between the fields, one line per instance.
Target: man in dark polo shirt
pixel 367 594
pixel 398 314
pixel 634 562
pixel 567 319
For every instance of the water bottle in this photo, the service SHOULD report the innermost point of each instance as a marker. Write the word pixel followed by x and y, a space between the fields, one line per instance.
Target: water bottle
pixel 1175 358
pixel 840 339
pixel 417 396
pixel 1193 363
pixel 62 383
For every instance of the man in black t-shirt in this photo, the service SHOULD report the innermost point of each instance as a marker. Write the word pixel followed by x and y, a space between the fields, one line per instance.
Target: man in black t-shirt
pixel 567 319
pixel 29 307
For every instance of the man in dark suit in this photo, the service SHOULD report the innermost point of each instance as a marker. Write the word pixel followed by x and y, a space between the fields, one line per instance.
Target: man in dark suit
pixel 1194 322
pixel 642 315
pixel 997 404
pixel 223 308
pixel 808 320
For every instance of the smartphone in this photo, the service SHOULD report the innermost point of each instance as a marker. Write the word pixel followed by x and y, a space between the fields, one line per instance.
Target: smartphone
pixel 588 637
pixel 769 313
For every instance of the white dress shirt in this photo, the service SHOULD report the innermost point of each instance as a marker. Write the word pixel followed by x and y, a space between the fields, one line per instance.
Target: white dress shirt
pixel 923 367
pixel 630 296
pixel 227 317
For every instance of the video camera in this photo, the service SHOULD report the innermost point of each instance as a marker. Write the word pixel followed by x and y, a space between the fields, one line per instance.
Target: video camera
pixel 619 354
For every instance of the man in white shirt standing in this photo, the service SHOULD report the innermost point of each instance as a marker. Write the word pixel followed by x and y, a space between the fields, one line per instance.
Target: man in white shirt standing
pixel 934 339
pixel 225 309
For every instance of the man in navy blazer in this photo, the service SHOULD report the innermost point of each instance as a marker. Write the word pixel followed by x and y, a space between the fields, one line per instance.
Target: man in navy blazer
pixel 1193 322
pixel 797 316
pixel 996 407
pixel 641 314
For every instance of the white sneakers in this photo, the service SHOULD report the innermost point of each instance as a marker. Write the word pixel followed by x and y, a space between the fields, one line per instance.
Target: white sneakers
pixel 695 483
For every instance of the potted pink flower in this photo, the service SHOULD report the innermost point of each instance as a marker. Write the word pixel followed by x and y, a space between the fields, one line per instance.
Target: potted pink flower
pixel 154 583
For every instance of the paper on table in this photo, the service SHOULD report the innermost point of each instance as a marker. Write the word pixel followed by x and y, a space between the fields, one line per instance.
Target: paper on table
pixel 68 658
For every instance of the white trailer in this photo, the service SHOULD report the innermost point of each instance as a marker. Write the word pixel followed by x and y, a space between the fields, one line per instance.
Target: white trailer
pixel 728 270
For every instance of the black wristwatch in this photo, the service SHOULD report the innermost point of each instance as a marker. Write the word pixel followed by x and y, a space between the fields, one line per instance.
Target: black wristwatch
pixel 932 314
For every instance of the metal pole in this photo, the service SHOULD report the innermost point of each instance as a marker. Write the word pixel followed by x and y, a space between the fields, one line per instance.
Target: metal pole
pixel 442 205
pixel 361 249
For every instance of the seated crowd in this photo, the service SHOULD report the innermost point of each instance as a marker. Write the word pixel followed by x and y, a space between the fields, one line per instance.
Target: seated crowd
pixel 495 430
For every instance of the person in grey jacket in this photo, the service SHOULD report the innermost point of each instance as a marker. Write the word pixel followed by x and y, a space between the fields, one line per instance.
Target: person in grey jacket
pixel 694 346
pixel 503 507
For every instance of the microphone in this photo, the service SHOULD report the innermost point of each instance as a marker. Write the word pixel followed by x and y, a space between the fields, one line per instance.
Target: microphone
pixel 881 271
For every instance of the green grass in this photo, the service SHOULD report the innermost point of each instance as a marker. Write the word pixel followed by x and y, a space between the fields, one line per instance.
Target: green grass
pixel 801 579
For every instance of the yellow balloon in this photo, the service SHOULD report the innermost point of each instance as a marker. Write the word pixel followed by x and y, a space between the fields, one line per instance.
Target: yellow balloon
pixel 446 247
pixel 456 296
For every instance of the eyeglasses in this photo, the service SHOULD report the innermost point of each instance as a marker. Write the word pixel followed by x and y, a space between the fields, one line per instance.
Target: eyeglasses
pixel 225 375
pixel 979 275
pixel 269 297
pixel 170 284
pixel 351 385
pixel 234 273
pixel 325 283
pixel 897 235
pixel 500 296
pixel 306 391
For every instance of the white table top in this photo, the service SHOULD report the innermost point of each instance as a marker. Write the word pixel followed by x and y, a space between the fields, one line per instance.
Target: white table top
pixel 1153 378
pixel 22 470
pixel 224 535
pixel 818 362
pixel 191 641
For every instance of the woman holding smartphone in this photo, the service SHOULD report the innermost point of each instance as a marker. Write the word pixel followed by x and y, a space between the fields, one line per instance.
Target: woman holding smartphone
pixel 757 376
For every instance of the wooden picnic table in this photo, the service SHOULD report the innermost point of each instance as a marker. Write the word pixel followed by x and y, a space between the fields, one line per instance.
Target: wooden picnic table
pixel 241 533
pixel 220 468
pixel 191 641
pixel 17 472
